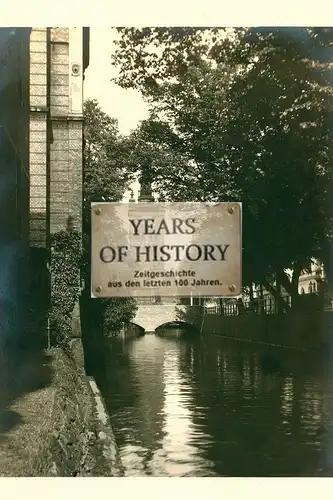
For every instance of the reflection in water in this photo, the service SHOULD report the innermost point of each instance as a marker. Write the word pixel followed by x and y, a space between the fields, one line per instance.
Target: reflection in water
pixel 287 398
pixel 176 455
pixel 184 408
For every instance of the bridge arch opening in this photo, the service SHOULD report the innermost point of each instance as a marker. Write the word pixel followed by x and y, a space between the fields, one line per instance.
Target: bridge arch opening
pixel 177 324
pixel 132 328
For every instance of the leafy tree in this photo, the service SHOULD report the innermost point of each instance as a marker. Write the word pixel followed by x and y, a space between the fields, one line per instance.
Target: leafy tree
pixel 106 154
pixel 244 115
pixel 117 312
pixel 106 177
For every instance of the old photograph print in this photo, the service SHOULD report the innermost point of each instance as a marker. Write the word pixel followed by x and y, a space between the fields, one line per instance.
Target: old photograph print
pixel 166 251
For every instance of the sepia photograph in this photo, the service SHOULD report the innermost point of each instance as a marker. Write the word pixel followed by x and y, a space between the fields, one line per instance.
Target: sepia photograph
pixel 166 250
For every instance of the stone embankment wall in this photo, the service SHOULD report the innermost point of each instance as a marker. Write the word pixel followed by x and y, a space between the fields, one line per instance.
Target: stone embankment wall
pixel 83 443
pixel 62 428
pixel 304 331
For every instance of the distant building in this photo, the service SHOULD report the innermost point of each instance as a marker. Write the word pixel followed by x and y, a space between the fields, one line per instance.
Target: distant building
pixel 311 281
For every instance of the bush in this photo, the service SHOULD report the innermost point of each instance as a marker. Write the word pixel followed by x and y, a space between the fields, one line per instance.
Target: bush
pixel 116 313
pixel 65 284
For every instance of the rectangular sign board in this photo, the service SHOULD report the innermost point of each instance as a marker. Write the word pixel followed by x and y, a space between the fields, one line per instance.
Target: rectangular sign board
pixel 166 249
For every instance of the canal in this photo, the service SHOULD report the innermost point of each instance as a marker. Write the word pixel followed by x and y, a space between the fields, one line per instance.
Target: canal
pixel 209 407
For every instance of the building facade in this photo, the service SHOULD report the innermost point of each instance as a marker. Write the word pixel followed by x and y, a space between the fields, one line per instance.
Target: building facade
pixel 58 59
pixel 311 281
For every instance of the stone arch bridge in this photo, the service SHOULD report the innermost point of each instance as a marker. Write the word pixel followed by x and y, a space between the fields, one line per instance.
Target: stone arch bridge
pixel 151 316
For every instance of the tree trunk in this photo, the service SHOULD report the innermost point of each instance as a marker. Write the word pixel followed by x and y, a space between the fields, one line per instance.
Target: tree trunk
pixel 282 303
pixel 296 274
pixel 278 308
pixel 291 287
pixel 261 309
pixel 251 298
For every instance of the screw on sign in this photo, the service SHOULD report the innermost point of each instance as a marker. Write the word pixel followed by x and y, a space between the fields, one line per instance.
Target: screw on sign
pixel 98 289
pixel 76 69
pixel 97 211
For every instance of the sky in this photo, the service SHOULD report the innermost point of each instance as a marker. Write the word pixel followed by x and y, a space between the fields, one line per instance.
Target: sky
pixel 126 105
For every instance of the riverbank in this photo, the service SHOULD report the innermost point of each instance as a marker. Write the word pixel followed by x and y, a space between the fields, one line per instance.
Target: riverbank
pixel 308 331
pixel 56 425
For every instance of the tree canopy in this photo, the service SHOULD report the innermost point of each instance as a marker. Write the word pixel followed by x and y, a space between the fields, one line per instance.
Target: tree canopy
pixel 243 115
pixel 107 155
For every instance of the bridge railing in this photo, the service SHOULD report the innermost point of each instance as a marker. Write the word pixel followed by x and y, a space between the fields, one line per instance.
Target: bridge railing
pixel 265 306
pixel 155 301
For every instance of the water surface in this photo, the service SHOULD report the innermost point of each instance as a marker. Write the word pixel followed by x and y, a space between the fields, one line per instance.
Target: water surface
pixel 207 407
